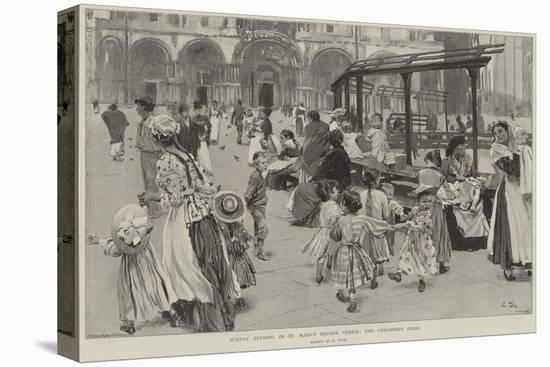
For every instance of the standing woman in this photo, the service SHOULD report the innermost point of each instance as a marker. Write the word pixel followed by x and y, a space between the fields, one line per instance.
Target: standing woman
pixel 457 167
pixel 215 115
pixel 187 187
pixel 510 241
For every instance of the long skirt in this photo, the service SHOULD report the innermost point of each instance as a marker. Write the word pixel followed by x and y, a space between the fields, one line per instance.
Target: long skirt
pixel 207 244
pixel 215 130
pixel 510 241
pixel 203 156
pixel 458 241
pixel 305 205
pixel 351 266
pixel 180 261
pixel 441 238
pixel 149 174
pixel 144 290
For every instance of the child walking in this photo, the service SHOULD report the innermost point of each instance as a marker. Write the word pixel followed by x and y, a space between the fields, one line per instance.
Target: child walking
pixel 144 290
pixel 329 213
pixel 228 208
pixel 418 254
pixel 351 265
pixel 375 204
pixel 256 201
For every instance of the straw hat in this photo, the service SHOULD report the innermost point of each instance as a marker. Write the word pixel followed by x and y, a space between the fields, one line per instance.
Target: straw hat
pixel 423 188
pixel 228 206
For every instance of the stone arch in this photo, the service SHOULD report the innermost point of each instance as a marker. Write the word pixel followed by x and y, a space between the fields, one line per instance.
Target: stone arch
pixel 198 66
pixel 149 68
pixel 109 69
pixel 262 37
pixel 327 64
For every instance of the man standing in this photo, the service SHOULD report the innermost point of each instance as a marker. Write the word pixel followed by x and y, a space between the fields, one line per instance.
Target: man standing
pixel 188 136
pixel 116 124
pixel 150 151
pixel 300 119
pixel 237 120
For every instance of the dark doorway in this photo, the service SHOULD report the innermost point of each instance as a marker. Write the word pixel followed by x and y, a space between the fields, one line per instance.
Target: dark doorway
pixel 151 90
pixel 266 95
pixel 202 95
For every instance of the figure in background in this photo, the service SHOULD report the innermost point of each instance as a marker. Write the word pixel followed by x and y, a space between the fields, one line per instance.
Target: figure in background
pixel 380 148
pixel 336 118
pixel 265 141
pixel 300 119
pixel 215 117
pixel 150 151
pixel 316 145
pixel 249 125
pixel 116 125
pixel 350 141
pixel 95 106
pixel 237 120
pixel 188 135
pixel 279 172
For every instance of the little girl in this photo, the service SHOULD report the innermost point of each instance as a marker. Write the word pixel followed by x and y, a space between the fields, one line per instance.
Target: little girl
pixel 418 254
pixel 351 265
pixel 380 147
pixel 350 141
pixel 144 290
pixel 375 204
pixel 329 212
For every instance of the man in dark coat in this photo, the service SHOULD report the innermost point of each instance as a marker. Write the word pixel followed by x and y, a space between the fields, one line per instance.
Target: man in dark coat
pixel 188 136
pixel 116 125
pixel 237 120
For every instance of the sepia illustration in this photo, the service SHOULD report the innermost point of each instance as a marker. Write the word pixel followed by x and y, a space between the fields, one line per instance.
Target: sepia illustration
pixel 247 173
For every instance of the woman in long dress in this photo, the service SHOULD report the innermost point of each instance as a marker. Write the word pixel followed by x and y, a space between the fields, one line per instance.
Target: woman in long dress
pixel 265 141
pixel 187 187
pixel 215 116
pixel 510 241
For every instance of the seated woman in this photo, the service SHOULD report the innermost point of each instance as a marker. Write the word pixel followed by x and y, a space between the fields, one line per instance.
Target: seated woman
pixel 335 165
pixel 278 172
pixel 467 225
pixel 350 141
pixel 264 141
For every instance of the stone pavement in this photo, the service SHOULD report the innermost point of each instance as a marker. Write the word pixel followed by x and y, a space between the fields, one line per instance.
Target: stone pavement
pixel 286 294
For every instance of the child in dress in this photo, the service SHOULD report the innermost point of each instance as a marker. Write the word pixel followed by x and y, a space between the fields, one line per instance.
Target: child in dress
pixel 351 265
pixel 379 143
pixel 395 210
pixel 256 201
pixel 350 141
pixel 375 204
pixel 329 213
pixel 418 254
pixel 144 290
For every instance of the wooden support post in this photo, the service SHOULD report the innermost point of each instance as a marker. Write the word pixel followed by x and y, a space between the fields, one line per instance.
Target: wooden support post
pixel 336 98
pixel 408 116
pixel 346 94
pixel 359 102
pixel 474 74
pixel 446 118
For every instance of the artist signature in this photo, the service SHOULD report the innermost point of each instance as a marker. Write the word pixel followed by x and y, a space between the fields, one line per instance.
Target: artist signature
pixel 510 305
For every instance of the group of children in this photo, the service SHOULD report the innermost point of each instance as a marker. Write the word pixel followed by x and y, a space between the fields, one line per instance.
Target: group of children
pixel 357 236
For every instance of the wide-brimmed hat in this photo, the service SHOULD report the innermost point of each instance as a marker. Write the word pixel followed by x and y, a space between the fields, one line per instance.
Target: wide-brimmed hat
pixel 228 206
pixel 164 124
pixel 423 188
pixel 145 101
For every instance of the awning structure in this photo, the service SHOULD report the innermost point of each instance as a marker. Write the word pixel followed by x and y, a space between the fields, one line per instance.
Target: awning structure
pixel 472 59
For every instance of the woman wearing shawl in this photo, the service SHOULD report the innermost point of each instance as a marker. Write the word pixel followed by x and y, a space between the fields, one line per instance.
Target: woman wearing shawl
pixel 336 166
pixel 510 242
pixel 188 190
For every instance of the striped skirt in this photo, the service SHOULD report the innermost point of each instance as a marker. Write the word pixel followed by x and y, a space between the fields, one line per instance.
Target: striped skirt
pixel 351 266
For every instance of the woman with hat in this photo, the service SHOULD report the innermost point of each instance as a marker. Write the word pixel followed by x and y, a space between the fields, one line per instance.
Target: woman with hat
pixel 228 209
pixel 468 230
pixel 188 190
pixel 510 242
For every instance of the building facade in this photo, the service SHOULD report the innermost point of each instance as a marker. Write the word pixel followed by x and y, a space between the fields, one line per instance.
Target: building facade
pixel 179 57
